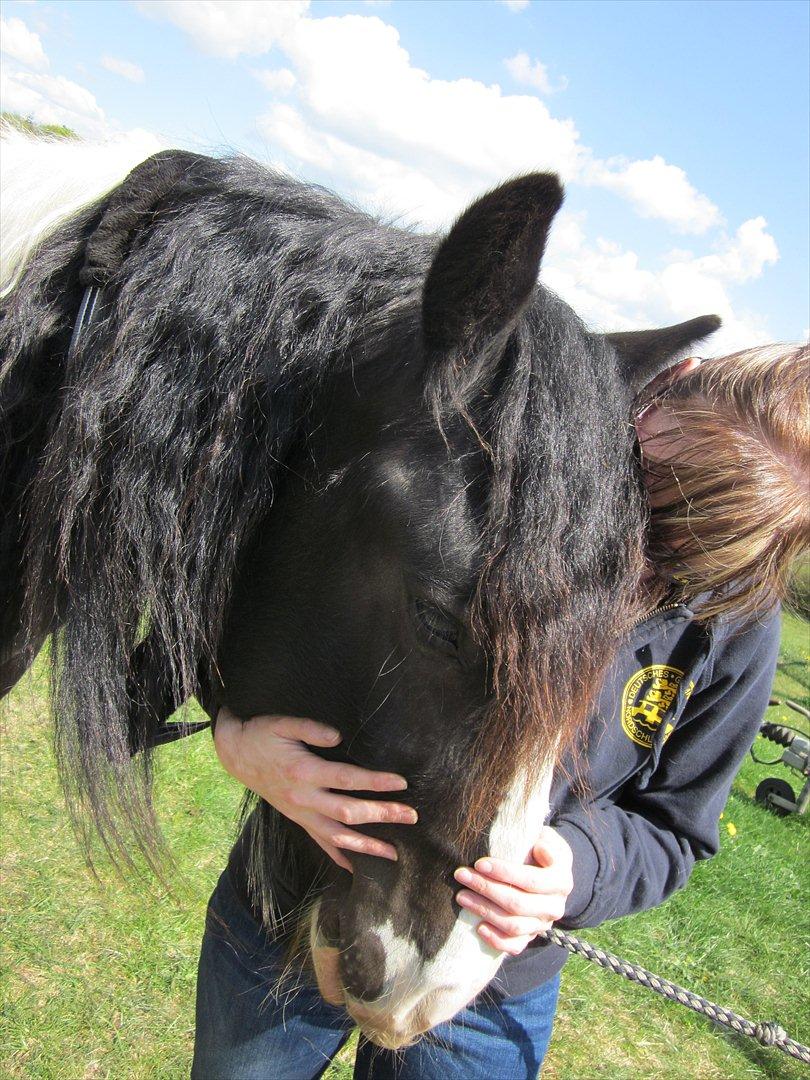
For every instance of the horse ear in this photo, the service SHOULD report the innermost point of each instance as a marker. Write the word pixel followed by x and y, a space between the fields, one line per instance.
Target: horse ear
pixel 643 354
pixel 486 267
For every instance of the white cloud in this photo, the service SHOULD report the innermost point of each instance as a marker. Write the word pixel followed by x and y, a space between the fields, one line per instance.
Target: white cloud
pixel 229 28
pixel 657 190
pixel 49 99
pixel 532 73
pixel 53 99
pixel 357 82
pixel 612 289
pixel 17 41
pixel 125 68
pixel 703 282
pixel 380 182
pixel 365 119
pixel 515 5
pixel 277 81
pixel 746 256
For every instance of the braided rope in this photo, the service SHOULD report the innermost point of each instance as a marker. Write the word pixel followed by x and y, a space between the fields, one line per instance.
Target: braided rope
pixel 766 1033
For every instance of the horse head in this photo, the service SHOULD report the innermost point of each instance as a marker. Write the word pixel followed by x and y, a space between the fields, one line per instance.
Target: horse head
pixel 442 577
pixel 308 464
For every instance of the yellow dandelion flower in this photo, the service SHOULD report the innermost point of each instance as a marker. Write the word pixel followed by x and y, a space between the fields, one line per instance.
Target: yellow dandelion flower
pixel 732 828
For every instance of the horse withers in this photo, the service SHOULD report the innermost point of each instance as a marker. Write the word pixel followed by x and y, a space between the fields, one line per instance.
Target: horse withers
pixel 303 462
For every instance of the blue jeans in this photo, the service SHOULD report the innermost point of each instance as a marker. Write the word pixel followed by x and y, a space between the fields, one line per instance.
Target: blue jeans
pixel 258 1021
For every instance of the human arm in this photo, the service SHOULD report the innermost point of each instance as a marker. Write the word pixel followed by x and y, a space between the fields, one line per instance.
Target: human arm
pixel 630 851
pixel 269 755
pixel 637 849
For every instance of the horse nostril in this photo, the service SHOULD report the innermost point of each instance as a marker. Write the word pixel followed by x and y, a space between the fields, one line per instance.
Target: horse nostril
pixel 362 967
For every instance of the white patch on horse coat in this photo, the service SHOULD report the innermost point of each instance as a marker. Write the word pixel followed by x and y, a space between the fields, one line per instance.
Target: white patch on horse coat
pixel 466 963
pixel 44 182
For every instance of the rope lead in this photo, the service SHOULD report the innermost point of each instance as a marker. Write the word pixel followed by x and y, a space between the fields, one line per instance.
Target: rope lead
pixel 767 1033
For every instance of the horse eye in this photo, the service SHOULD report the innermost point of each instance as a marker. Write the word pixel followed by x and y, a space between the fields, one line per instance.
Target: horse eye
pixel 438 624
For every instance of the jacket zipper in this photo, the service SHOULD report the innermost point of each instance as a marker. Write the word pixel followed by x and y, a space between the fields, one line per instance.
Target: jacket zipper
pixel 653 613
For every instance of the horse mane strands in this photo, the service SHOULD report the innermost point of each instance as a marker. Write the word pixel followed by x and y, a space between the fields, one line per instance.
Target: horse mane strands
pixel 46 181
pixel 564 560
pixel 134 469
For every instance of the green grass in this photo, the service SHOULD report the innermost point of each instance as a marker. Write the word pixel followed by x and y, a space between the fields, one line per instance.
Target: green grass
pixel 98 977
pixel 29 126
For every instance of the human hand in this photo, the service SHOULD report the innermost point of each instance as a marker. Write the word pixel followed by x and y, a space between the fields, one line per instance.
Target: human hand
pixel 268 754
pixel 518 901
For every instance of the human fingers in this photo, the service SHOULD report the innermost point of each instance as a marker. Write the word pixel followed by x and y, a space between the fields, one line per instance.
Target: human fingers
pixel 533 879
pixel 513 946
pixel 508 897
pixel 256 750
pixel 338 835
pixel 344 777
pixel 552 849
pixel 352 811
pixel 335 854
pixel 301 729
pixel 511 925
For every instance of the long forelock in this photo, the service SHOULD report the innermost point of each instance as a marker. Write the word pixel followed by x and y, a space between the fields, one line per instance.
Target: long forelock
pixel 561 574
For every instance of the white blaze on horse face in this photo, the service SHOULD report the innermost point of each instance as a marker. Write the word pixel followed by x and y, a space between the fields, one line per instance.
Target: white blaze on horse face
pixel 421 994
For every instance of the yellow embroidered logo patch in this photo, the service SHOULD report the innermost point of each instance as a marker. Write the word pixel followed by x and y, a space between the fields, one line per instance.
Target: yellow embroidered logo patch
pixel 648 700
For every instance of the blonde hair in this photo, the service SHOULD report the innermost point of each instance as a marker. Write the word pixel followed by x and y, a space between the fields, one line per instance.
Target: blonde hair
pixel 731 504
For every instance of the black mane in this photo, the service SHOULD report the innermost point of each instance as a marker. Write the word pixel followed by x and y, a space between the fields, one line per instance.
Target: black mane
pixel 139 472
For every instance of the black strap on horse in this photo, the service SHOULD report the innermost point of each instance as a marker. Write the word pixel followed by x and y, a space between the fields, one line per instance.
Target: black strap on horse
pixel 170 731
pixel 130 210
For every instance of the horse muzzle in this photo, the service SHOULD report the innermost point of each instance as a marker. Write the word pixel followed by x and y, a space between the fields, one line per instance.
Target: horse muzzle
pixel 390 990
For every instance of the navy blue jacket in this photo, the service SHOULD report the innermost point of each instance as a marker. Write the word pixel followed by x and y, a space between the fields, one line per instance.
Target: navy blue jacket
pixel 677 714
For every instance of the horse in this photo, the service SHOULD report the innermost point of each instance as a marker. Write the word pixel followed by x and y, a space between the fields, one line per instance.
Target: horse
pixel 302 461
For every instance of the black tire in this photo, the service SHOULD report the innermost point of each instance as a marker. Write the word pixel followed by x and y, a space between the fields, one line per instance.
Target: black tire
pixel 774 785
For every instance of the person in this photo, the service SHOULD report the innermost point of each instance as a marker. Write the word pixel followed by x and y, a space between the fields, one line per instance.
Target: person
pixel 725 455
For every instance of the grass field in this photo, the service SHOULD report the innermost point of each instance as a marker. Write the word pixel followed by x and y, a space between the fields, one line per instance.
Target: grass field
pixel 98 978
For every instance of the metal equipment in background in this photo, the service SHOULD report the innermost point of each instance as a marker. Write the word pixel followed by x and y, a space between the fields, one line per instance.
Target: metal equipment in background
pixel 774 792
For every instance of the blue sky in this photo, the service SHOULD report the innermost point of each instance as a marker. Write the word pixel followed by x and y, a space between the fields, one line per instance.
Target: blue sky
pixel 681 128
